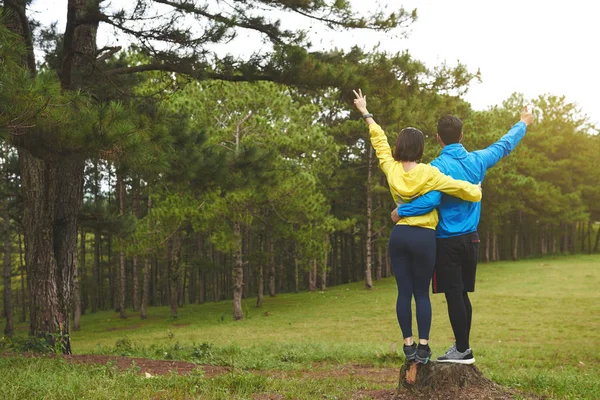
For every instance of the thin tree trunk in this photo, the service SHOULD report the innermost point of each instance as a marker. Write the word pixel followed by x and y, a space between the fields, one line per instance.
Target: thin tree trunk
pixel 174 271
pixel 487 246
pixel 369 239
pixel 122 276
pixel 388 265
pixel 8 306
pixel 135 209
pixel 97 275
pixel 589 236
pixel 238 273
pixel 271 268
pixel 312 277
pixel 22 268
pixel 324 266
pixel 77 286
pixel 597 241
pixel 379 269
pixel 259 285
pixel 146 287
pixel 495 250
pixel 296 280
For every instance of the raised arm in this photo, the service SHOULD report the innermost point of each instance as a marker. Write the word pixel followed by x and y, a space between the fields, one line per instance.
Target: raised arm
pixel 378 139
pixel 507 143
pixel 461 189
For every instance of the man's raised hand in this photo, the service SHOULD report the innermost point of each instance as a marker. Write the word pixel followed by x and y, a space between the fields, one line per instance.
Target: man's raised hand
pixel 360 102
pixel 526 116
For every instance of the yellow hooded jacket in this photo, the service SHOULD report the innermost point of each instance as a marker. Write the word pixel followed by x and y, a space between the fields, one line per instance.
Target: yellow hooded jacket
pixel 406 186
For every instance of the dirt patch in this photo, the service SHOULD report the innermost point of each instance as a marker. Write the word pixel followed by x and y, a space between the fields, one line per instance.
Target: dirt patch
pixel 387 377
pixel 123 328
pixel 153 367
pixel 180 325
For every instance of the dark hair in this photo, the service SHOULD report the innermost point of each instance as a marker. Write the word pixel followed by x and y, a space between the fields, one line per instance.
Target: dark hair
pixel 409 145
pixel 449 128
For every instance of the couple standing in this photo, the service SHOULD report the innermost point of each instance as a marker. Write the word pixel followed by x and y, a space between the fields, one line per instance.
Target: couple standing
pixel 419 252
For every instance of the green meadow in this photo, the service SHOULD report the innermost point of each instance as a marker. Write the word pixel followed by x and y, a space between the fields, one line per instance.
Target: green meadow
pixel 536 328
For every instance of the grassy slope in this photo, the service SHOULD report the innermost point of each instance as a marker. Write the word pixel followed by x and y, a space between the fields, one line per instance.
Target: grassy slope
pixel 535 327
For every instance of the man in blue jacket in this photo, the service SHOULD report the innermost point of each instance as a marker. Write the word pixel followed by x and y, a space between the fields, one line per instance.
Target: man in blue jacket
pixel 457 244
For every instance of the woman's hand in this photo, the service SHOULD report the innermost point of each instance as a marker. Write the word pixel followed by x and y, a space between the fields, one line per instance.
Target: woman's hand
pixel 360 102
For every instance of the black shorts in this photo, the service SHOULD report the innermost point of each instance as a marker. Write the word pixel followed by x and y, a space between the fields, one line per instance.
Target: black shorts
pixel 456 263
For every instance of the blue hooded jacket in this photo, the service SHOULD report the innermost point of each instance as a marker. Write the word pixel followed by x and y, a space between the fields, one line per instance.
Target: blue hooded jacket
pixel 458 217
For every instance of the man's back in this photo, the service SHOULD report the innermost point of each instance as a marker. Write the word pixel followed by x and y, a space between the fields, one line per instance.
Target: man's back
pixel 458 217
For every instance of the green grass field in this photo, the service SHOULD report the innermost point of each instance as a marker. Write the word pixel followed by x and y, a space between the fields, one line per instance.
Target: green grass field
pixel 535 328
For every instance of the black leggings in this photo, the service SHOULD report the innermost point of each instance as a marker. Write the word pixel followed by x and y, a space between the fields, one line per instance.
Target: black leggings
pixel 461 314
pixel 412 253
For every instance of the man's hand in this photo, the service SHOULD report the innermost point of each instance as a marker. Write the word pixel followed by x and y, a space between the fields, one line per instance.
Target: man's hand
pixel 526 116
pixel 395 216
pixel 360 102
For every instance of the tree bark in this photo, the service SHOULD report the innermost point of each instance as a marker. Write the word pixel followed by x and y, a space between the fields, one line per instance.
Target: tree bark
pixel 22 268
pixel 296 280
pixel 174 271
pixel 597 241
pixel 369 239
pixel 77 286
pixel 379 270
pixel 8 306
pixel 135 209
pixel 487 246
pixel 122 275
pixel 238 273
pixel 146 273
pixel 324 266
pixel 312 277
pixel 259 285
pixel 146 287
pixel 271 268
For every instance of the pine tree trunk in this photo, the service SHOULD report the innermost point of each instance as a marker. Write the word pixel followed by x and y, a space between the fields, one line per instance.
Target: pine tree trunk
pixel 271 268
pixel 312 277
pixel 23 266
pixel 122 272
pixel 174 271
pixel 495 249
pixel 369 244
pixel 589 236
pixel 296 280
pixel 516 245
pixel 324 266
pixel 259 285
pixel 84 285
pixel 388 265
pixel 77 286
pixel 147 272
pixel 135 209
pixel 202 297
pixel 597 241
pixel 97 275
pixel 487 246
pixel 145 289
pixel 379 269
pixel 238 273
pixel 8 306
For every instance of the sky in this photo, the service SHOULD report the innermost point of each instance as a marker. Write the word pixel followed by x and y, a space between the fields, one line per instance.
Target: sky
pixel 529 46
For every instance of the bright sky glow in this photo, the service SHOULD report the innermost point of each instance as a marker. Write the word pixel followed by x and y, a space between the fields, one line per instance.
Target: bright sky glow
pixel 528 46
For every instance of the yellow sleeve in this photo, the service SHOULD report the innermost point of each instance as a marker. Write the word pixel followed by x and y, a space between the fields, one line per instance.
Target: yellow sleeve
pixel 382 148
pixel 457 188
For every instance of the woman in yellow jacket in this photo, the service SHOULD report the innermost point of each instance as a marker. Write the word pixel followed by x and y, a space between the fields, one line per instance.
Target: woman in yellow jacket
pixel 412 241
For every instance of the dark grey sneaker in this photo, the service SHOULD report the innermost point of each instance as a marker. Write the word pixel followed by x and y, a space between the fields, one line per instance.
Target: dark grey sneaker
pixel 410 352
pixel 423 353
pixel 455 356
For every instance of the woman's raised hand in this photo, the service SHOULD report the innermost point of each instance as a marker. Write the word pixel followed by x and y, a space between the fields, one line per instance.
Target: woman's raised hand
pixel 360 101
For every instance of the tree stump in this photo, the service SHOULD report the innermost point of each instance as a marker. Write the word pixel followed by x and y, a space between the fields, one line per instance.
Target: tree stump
pixel 440 377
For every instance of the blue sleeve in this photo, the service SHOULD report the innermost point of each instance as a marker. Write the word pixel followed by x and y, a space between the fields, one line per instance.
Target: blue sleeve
pixel 504 146
pixel 421 205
